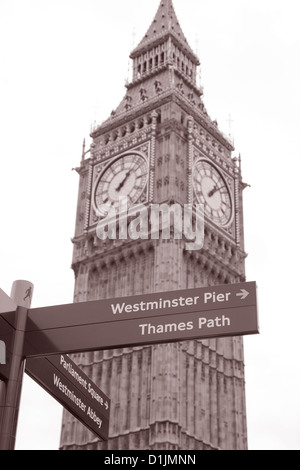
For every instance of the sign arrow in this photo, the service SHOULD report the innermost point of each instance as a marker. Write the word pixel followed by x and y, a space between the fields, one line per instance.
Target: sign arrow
pixel 243 294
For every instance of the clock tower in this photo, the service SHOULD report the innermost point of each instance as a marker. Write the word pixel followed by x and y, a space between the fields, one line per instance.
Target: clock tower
pixel 160 146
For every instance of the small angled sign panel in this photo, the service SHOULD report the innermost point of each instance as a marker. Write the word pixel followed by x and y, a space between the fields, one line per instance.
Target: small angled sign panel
pixel 73 389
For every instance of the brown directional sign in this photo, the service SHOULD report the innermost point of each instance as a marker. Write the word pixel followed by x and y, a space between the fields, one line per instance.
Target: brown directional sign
pixel 227 310
pixel 148 330
pixel 139 306
pixel 73 389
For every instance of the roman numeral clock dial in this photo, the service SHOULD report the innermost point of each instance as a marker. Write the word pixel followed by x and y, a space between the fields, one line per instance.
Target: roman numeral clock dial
pixel 212 191
pixel 125 176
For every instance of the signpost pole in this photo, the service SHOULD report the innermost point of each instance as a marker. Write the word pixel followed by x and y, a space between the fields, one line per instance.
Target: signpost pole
pixel 22 294
pixel 2 399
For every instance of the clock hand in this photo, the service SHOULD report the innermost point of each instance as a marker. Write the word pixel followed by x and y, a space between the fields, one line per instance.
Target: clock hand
pixel 214 190
pixel 123 181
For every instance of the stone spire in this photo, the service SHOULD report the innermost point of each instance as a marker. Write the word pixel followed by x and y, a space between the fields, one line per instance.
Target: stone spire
pixel 165 24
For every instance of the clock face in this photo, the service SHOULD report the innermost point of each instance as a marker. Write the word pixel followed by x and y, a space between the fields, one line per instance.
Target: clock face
pixel 212 191
pixel 126 176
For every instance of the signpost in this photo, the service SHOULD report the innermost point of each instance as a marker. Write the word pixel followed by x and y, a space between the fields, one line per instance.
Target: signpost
pixel 73 389
pixel 129 332
pixel 227 310
pixel 52 332
pixel 200 299
pixel 21 293
pixel 8 306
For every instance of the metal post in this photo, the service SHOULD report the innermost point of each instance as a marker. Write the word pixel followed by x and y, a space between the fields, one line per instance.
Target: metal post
pixel 21 293
pixel 2 399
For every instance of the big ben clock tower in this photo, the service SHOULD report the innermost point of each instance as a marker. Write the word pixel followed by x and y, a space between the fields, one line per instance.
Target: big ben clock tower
pixel 160 146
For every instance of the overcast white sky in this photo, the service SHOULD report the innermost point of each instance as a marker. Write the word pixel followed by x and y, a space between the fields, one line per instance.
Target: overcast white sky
pixel 63 64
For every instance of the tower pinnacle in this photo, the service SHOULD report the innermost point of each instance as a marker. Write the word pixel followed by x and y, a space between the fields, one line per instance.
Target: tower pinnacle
pixel 165 24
